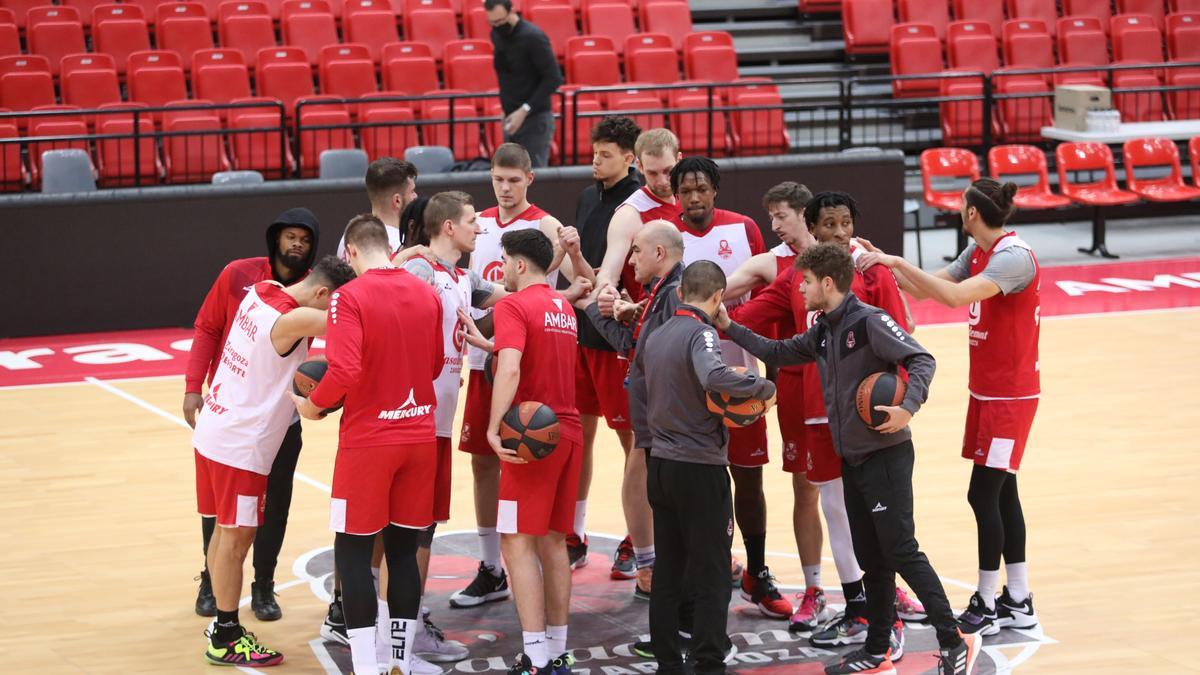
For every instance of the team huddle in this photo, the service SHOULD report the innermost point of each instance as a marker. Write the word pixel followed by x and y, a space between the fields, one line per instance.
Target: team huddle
pixel 652 303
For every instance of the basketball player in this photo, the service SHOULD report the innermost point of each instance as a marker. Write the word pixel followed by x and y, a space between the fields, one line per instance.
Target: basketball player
pixel 600 381
pixel 657 151
pixel 512 174
pixel 391 186
pixel 730 239
pixel 848 342
pixel 998 277
pixel 535 350
pixel 385 350
pixel 244 419
pixel 291 249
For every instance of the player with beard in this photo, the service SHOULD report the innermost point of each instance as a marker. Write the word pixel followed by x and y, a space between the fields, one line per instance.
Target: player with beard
pixel 391 187
pixel 291 248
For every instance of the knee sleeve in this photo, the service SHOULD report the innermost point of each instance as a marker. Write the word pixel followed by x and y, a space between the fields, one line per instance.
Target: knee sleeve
pixel 833 505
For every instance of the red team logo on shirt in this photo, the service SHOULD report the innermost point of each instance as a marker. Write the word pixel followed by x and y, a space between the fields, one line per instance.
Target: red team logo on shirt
pixel 724 249
pixel 458 338
pixel 494 272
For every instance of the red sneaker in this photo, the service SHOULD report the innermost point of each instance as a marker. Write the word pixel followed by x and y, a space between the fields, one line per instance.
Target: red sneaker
pixel 761 591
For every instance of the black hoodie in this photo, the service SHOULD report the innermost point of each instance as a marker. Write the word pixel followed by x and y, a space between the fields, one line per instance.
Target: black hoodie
pixel 297 217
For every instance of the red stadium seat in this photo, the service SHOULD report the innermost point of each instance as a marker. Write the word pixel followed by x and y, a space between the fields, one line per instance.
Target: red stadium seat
pixel 10 34
pixel 1045 11
pixel 347 71
pixel 183 27
pixel 193 158
pixel 670 17
pixel 1027 44
pixel 309 25
pixel 866 25
pixel 1138 106
pixel 89 80
pixel 122 161
pixel 25 83
pixel 149 7
pixel 971 46
pixel 1183 37
pixel 762 131
pixel 820 6
pixel 1194 153
pixel 220 75
pixel 20 8
pixel 433 26
pixel 373 28
pixel 578 130
pixel 409 69
pixel 475 23
pixel 85 7
pixel 13 172
pixel 120 30
pixel 962 120
pixel 58 125
pixel 259 150
pixel 246 27
pixel 612 20
pixel 915 50
pixel 390 140
pixel 558 23
pixel 1025 105
pixel 467 48
pixel 466 135
pixel 1143 153
pixel 1025 160
pixel 592 61
pixel 639 99
pixel 1150 8
pixel 988 11
pixel 710 56
pixel 651 58
pixel 1101 10
pixel 1185 103
pixel 947 164
pixel 156 79
pixel 693 128
pixel 1081 42
pixel 1178 6
pixel 283 73
pixel 315 141
pixel 469 67
pixel 1136 38
pixel 1089 158
pixel 936 14
pixel 54 32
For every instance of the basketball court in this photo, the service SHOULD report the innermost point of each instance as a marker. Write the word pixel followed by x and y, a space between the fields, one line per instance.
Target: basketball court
pixel 101 541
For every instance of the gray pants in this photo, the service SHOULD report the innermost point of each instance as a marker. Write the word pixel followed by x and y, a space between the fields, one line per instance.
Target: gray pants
pixel 534 135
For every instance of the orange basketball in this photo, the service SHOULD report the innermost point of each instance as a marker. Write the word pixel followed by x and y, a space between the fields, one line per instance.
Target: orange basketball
pixel 736 411
pixel 530 428
pixel 878 389
pixel 309 375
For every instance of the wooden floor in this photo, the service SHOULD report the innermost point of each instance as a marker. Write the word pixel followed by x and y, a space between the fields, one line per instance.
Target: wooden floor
pixel 100 542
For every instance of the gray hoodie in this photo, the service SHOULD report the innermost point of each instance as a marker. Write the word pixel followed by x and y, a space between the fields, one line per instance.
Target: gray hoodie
pixel 848 344
pixel 681 361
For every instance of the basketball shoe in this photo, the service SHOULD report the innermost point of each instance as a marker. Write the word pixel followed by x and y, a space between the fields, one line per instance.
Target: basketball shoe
pixel 561 665
pixel 844 630
pixel 523 666
pixel 1013 614
pixel 859 662
pixel 577 551
pixel 761 591
pixel 487 586
pixel 206 604
pixel 812 611
pixel 978 618
pixel 624 562
pixel 244 650
pixel 961 659
pixel 431 644
pixel 641 589
pixel 908 608
pixel 896 642
pixel 334 627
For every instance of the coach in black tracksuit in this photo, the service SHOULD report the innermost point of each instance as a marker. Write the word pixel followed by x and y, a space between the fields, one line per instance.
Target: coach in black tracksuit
pixel 687 478
pixel 850 341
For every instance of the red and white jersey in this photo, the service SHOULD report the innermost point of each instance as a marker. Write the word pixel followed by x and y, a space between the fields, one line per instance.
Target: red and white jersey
pixel 650 207
pixel 246 411
pixel 1003 333
pixel 729 242
pixel 486 260
pixel 785 258
pixel 453 286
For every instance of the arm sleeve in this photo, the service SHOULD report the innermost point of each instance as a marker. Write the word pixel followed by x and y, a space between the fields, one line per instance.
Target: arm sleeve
pixel 893 344
pixel 773 305
pixel 790 352
pixel 549 77
pixel 511 327
pixel 1011 269
pixel 614 332
pixel 886 292
pixel 343 349
pixel 206 338
pixel 481 289
pixel 960 269
pixel 713 374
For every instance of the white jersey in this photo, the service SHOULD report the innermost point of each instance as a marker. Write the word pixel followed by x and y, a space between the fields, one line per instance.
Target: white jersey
pixel 454 288
pixel 487 263
pixel 394 241
pixel 246 412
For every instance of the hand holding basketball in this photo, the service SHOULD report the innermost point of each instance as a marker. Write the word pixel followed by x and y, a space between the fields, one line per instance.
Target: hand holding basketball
pixel 898 418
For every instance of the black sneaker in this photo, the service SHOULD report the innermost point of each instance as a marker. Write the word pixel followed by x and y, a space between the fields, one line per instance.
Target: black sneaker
pixel 334 628
pixel 262 601
pixel 859 662
pixel 487 586
pixel 961 659
pixel 577 551
pixel 1013 614
pixel 206 604
pixel 644 649
pixel 561 665
pixel 978 618
pixel 523 666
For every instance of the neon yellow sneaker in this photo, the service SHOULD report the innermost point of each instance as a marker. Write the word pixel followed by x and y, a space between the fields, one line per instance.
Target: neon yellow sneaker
pixel 244 651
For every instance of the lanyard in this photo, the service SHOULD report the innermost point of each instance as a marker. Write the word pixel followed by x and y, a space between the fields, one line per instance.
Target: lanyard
pixel 637 329
pixel 684 311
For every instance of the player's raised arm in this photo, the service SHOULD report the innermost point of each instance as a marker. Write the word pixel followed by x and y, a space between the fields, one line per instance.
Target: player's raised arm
pixel 313 293
pixel 624 226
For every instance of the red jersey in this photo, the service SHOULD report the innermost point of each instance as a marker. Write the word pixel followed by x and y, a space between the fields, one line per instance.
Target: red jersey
pixel 385 349
pixel 1003 334
pixel 216 315
pixel 538 322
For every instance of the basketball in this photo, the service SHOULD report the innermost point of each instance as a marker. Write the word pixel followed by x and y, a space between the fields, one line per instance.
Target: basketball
pixel 736 411
pixel 308 376
pixel 878 389
pixel 530 428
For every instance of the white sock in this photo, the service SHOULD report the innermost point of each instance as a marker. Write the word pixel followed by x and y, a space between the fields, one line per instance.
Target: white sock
pixel 556 640
pixel 404 632
pixel 489 547
pixel 1018 581
pixel 535 648
pixel 383 621
pixel 812 576
pixel 987 586
pixel 644 555
pixel 833 505
pixel 375 579
pixel 362 649
pixel 580 517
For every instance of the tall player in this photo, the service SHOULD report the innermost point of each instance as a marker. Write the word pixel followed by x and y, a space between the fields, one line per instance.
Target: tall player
pixel 245 417
pixel 998 277
pixel 391 186
pixel 385 351
pixel 291 249
pixel 730 239
pixel 512 174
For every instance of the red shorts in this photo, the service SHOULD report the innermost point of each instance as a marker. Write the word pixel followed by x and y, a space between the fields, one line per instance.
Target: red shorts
pixel 441 482
pixel 600 387
pixel 235 496
pixel 373 487
pixel 789 409
pixel 538 497
pixel 748 445
pixel 476 415
pixel 997 432
pixel 823 462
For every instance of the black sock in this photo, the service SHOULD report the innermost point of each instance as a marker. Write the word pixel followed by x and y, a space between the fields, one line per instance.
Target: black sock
pixel 856 598
pixel 227 628
pixel 756 547
pixel 207 526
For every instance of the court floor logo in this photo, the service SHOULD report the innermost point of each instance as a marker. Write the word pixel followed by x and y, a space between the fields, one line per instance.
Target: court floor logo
pixel 606 620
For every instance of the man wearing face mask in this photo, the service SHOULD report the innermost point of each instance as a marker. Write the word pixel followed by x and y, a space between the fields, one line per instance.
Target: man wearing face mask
pixel 528 74
pixel 291 248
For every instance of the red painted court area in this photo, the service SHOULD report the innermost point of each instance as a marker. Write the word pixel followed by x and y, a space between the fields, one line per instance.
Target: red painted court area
pixel 1067 290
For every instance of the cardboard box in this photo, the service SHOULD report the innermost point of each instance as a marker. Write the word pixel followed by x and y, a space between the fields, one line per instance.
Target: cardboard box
pixel 1072 103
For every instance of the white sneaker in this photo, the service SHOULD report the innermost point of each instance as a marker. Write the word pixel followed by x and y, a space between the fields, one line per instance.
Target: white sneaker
pixel 431 644
pixel 420 666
